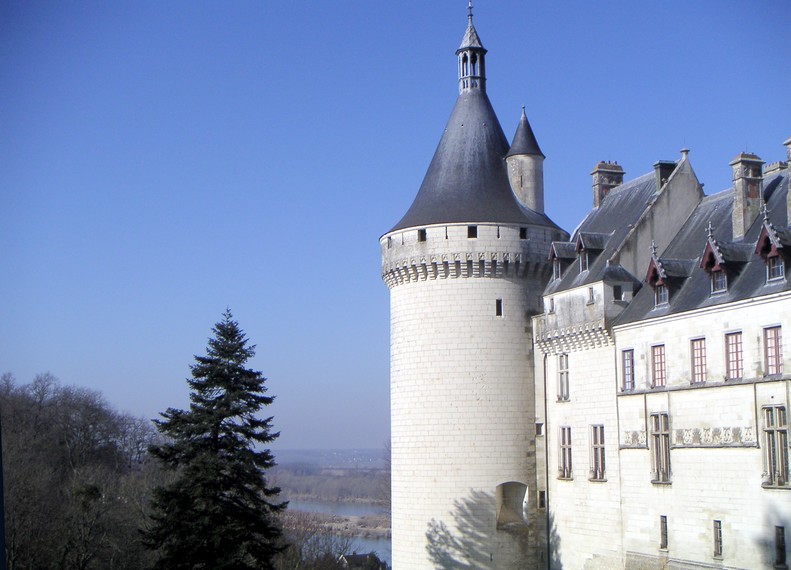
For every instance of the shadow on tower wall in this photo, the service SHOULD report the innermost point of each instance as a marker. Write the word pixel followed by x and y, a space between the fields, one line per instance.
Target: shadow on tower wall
pixel 474 542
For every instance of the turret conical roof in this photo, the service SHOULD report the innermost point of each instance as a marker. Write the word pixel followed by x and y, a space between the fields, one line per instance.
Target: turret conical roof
pixel 471 39
pixel 524 140
pixel 467 179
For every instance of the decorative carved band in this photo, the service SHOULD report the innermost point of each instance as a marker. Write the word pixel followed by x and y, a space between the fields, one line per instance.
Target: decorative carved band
pixel 583 336
pixel 461 265
pixel 717 437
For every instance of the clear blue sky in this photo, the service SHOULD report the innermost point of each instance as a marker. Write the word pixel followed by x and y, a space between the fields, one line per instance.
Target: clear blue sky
pixel 161 161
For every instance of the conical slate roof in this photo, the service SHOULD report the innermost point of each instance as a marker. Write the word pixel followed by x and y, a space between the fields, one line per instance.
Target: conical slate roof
pixel 524 140
pixel 470 39
pixel 467 179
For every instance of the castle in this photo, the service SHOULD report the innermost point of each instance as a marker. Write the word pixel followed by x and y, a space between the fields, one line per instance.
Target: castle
pixel 615 398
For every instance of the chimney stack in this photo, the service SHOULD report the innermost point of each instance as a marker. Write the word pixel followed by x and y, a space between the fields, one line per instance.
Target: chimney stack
pixel 748 185
pixel 662 170
pixel 606 176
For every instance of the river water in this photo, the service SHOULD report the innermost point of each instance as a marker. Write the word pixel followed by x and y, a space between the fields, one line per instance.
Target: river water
pixel 382 546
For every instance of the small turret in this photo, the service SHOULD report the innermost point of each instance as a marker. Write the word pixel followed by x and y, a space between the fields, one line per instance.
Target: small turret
pixel 526 167
pixel 471 54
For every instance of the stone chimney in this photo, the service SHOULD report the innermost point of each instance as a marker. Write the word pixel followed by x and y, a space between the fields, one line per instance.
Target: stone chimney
pixel 662 170
pixel 748 185
pixel 606 176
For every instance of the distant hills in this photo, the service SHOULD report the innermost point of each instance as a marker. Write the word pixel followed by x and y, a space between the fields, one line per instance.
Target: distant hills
pixel 332 458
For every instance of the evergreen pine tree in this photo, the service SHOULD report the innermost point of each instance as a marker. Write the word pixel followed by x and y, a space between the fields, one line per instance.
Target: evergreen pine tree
pixel 219 512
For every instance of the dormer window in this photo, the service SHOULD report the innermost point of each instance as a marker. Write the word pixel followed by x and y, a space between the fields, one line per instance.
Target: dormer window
pixel 557 270
pixel 583 261
pixel 775 268
pixel 661 295
pixel 719 281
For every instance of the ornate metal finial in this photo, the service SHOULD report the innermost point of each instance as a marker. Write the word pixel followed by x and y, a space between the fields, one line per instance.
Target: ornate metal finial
pixel 764 210
pixel 653 248
pixel 710 230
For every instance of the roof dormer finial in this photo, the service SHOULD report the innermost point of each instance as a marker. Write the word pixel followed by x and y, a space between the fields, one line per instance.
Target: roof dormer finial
pixel 710 230
pixel 653 248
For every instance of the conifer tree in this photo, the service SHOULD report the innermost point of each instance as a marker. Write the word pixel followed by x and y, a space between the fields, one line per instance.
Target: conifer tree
pixel 219 511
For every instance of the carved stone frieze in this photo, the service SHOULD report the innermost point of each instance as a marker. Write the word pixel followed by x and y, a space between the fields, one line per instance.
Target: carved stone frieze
pixel 729 436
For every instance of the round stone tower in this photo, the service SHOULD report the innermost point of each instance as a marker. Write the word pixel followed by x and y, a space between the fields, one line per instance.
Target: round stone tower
pixel 466 266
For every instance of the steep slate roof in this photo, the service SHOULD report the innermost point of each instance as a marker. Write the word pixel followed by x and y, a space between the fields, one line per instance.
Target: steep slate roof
pixel 467 180
pixel 471 39
pixel 746 270
pixel 524 140
pixel 619 211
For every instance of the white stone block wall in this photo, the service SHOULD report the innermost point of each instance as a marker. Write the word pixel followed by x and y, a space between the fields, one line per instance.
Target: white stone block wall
pixel 462 392
pixel 717 454
pixel 585 515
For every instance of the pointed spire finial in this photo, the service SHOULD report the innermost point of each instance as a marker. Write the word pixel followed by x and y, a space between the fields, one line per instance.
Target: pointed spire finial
pixel 653 248
pixel 469 10
pixel 710 230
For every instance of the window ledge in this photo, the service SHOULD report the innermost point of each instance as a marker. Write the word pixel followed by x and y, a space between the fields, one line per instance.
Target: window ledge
pixel 785 487
pixel 560 478
pixel 561 400
pixel 658 482
pixel 595 480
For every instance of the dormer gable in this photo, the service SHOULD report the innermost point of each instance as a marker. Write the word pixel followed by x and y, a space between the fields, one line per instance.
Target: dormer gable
pixel 666 276
pixel 769 241
pixel 587 246
pixel 770 247
pixel 713 262
pixel 561 255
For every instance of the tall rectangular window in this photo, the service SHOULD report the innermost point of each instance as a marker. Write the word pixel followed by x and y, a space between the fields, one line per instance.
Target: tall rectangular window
pixel 718 539
pixel 498 307
pixel 597 453
pixel 661 295
pixel 557 271
pixel 698 352
pixel 780 546
pixel 564 460
pixel 627 369
pixel 663 532
pixel 719 281
pixel 583 261
pixel 776 445
pixel 658 370
pixel 734 365
pixel 773 351
pixel 563 377
pixel 775 268
pixel 660 443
